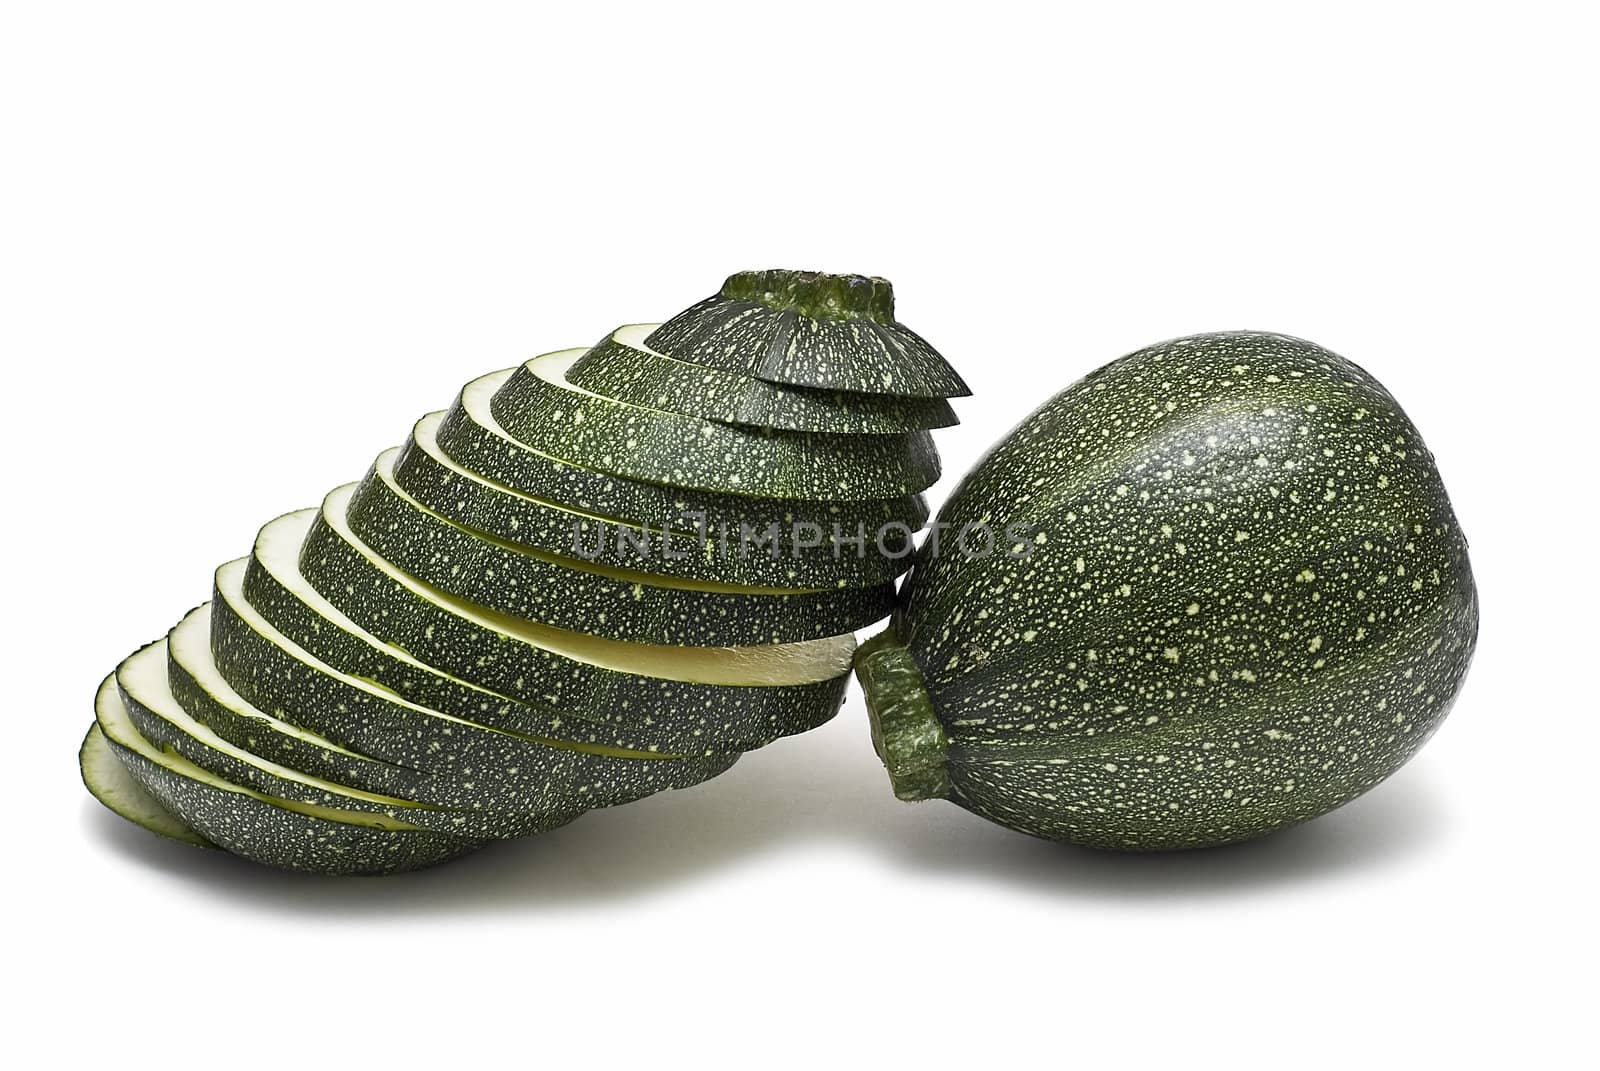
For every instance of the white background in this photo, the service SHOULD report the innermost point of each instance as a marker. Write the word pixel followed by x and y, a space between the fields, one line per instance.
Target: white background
pixel 243 247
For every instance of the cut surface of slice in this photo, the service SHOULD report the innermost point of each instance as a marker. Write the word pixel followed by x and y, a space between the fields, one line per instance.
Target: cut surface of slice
pixel 425 473
pixel 622 366
pixel 280 833
pixel 647 697
pixel 501 769
pixel 472 437
pixel 109 782
pixel 143 683
pixel 584 597
pixel 539 407
pixel 807 329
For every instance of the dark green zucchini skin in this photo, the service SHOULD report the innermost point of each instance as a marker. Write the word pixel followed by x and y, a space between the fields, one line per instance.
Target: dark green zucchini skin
pixel 1247 601
pixel 473 440
pixel 561 592
pixel 483 506
pixel 473 823
pixel 641 377
pixel 649 444
pixel 808 329
pixel 272 835
pixel 472 762
pixel 621 709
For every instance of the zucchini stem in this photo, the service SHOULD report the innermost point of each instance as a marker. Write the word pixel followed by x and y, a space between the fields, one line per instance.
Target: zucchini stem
pixel 906 732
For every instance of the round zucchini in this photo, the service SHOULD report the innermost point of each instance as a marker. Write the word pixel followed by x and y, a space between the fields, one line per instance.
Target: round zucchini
pixel 1240 599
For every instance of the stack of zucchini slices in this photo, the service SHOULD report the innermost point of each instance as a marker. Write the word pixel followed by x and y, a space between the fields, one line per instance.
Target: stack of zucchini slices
pixel 601 574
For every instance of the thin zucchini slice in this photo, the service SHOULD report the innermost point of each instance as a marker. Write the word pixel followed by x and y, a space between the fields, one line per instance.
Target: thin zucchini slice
pixel 280 833
pixel 623 367
pixel 583 597
pixel 647 696
pixel 807 329
pixel 110 782
pixel 426 474
pixel 471 436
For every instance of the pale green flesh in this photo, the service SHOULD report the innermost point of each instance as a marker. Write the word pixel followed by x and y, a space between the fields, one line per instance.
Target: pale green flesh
pixel 802 662
pixel 115 723
pixel 144 678
pixel 110 782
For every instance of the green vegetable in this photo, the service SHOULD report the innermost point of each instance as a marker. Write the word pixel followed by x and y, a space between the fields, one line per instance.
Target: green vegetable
pixel 148 698
pixel 648 697
pixel 471 436
pixel 621 366
pixel 536 405
pixel 476 764
pixel 281 833
pixel 806 329
pixel 423 472
pixel 1244 601
pixel 110 782
pixel 624 604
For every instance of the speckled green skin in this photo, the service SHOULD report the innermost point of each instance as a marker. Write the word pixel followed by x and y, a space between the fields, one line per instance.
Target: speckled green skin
pixel 632 710
pixel 472 762
pixel 1248 601
pixel 704 455
pixel 491 508
pixel 110 783
pixel 805 329
pixel 475 442
pixel 267 834
pixel 558 591
pixel 150 716
pixel 640 377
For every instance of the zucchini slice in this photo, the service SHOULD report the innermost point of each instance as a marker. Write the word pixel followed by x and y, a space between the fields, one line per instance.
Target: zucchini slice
pixel 622 604
pixel 280 833
pixel 807 329
pixel 737 697
pixel 623 367
pixel 471 436
pixel 537 405
pixel 110 782
pixel 426 474
pixel 147 695
pixel 495 767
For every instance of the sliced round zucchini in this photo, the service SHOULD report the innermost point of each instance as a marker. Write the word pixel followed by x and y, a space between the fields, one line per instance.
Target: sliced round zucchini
pixel 280 833
pixel 647 695
pixel 471 436
pixel 807 329
pixel 424 472
pixel 582 597
pixel 466 760
pixel 110 782
pixel 538 406
pixel 623 367
pixel 142 681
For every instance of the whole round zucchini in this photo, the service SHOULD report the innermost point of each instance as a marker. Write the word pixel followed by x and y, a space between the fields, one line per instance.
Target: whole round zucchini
pixel 1233 597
